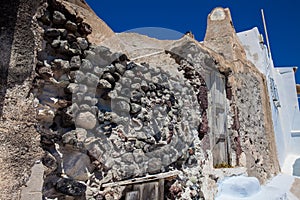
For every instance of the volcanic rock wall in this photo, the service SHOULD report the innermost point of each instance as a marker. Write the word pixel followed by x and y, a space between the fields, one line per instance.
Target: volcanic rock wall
pixel 20 142
pixel 251 130
pixel 102 118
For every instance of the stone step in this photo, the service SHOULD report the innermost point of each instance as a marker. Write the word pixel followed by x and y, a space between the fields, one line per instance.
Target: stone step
pixel 33 189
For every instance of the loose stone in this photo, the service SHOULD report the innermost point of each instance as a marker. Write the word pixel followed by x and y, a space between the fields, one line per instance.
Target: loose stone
pixel 85 120
pixel 75 63
pixel 104 84
pixel 83 43
pixel 71 26
pixel 70 187
pixel 59 18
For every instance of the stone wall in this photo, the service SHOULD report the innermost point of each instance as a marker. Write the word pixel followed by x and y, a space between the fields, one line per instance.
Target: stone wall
pixel 252 136
pixel 19 40
pixel 251 127
pixel 101 118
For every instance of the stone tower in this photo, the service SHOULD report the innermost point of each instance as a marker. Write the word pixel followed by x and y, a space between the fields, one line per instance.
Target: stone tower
pixel 221 36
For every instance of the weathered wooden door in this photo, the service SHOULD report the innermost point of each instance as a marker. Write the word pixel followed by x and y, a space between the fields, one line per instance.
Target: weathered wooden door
pixel 147 191
pixel 217 116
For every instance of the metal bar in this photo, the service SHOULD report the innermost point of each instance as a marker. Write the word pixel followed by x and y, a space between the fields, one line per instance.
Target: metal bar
pixel 266 32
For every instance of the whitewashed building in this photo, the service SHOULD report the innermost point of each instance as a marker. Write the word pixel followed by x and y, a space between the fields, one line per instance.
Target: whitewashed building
pixel 283 99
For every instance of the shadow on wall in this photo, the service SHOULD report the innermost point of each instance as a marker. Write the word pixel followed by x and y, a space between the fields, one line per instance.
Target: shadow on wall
pixel 296 168
pixel 9 11
pixel 16 44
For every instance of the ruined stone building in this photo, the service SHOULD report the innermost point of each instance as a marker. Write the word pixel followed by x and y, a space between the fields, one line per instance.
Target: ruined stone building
pixel 86 113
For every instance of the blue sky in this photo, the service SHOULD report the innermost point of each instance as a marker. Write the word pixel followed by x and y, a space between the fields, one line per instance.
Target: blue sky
pixel 283 20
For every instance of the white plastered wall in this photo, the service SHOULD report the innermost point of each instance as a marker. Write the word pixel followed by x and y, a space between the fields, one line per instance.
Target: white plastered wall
pixel 286 117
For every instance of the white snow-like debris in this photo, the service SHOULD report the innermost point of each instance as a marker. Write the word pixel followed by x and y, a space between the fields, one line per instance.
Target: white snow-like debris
pixel 248 188
pixel 239 187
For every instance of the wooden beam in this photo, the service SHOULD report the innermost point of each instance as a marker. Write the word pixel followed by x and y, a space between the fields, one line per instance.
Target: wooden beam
pixel 298 88
pixel 143 179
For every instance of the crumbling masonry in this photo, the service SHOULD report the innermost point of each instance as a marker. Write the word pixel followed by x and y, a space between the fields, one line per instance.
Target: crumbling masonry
pixel 113 128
